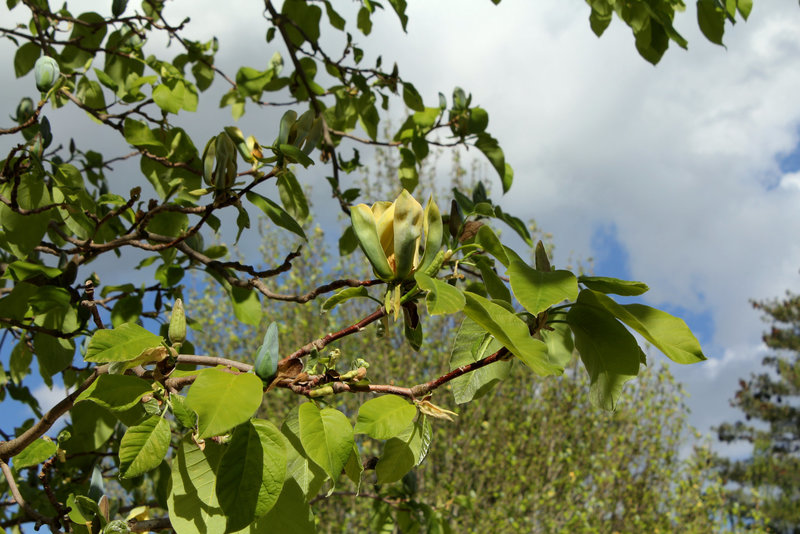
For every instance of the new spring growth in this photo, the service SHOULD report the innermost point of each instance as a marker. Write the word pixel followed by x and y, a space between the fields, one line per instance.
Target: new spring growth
pixel 177 323
pixel 390 234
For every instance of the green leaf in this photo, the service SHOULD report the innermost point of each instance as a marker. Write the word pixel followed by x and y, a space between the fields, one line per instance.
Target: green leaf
pixel 488 240
pixel 143 447
pixel 295 155
pixel 363 21
pixel 15 304
pixel 559 343
pixel 34 454
pixel 402 453
pixel 138 133
pixel 491 149
pixel 494 285
pixel 608 351
pixel 292 196
pixel 353 468
pixel 327 437
pixel 184 415
pixel 512 332
pixel 397 460
pixel 384 417
pixel 473 344
pixel 192 500
pixel 276 213
pixel 116 393
pixel 126 310
pixel 412 98
pixel 245 302
pixel 538 290
pixel 711 19
pixel 25 58
pixel 290 515
pixel 223 400
pixel 667 333
pixel 605 284
pixel 91 427
pixel 122 344
pixel 308 475
pixel 23 233
pixel 343 295
pixel 251 473
pixel 442 298
pixel 53 354
pixel 744 7
pixel 399 7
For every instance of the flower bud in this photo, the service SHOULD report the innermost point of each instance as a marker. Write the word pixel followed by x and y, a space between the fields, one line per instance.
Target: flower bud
pixel 46 72
pixel 25 110
pixel 177 323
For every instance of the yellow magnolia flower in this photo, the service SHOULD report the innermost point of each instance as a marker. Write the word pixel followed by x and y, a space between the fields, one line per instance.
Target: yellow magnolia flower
pixel 390 234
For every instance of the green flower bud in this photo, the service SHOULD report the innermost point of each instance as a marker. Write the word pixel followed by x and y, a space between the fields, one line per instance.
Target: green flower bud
pixel 177 323
pixel 46 72
pixel 25 110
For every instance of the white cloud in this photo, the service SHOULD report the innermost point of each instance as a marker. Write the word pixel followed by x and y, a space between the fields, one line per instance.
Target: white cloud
pixel 49 397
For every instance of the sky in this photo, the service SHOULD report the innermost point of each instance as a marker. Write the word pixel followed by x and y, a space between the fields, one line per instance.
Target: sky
pixel 685 175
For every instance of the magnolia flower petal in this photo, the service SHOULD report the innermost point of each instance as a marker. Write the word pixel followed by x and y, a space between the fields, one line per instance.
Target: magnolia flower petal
pixel 433 229
pixel 407 232
pixel 367 234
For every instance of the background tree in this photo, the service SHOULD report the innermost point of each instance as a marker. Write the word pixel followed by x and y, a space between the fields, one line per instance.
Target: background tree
pixel 772 425
pixel 138 453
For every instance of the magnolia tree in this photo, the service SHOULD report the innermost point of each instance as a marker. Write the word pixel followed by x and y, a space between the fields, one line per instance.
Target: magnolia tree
pixel 152 436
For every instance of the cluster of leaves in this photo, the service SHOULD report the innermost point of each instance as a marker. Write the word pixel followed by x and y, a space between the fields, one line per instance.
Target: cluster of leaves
pixel 538 438
pixel 208 463
pixel 765 484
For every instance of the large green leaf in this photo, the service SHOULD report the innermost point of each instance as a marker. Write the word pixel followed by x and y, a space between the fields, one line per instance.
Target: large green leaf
pixel 538 290
pixel 608 351
pixel 290 515
pixel 251 473
pixel 558 338
pixel 442 298
pixel 512 332
pixel 384 417
pixel 122 344
pixel 53 354
pixel 23 233
pixel 192 500
pixel 327 437
pixel 309 476
pixel 711 19
pixel 143 446
pixel 667 333
pixel 276 213
pixel 405 451
pixel 92 425
pixel 473 344
pixel 35 453
pixel 116 393
pixel 604 284
pixel 223 400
